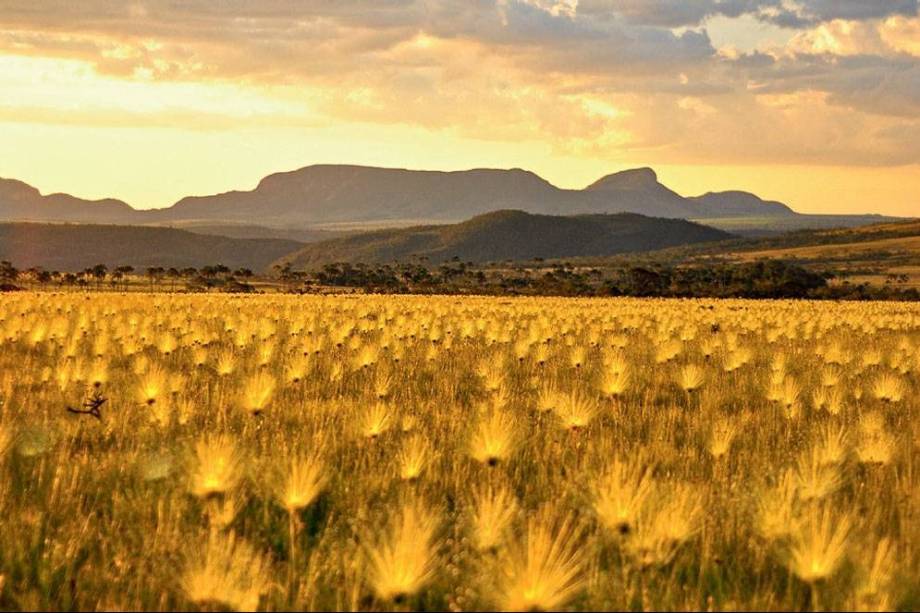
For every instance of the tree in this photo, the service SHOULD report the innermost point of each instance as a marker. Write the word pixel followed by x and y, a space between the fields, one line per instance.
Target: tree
pixel 174 275
pixel 122 273
pixel 155 274
pixel 99 272
pixel 288 275
pixel 645 282
pixel 43 277
pixel 8 272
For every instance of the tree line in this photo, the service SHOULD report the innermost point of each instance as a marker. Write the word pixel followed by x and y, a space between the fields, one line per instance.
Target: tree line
pixel 773 279
pixel 101 276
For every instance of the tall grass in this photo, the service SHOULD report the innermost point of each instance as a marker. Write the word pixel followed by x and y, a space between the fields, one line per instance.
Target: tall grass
pixel 393 453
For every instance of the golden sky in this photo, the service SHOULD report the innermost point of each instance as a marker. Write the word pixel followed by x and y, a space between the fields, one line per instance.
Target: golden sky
pixel 812 102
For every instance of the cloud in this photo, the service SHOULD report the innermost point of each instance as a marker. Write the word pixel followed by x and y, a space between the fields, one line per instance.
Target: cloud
pixel 869 83
pixel 524 69
pixel 808 13
pixel 798 14
pixel 668 13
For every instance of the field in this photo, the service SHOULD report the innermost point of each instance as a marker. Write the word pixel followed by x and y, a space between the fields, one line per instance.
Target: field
pixel 392 453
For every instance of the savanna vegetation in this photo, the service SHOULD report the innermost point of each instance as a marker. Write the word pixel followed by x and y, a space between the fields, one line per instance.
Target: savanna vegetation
pixel 634 277
pixel 279 452
pixel 883 257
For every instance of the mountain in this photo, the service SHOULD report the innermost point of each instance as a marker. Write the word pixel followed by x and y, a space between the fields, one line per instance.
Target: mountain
pixel 509 235
pixel 324 194
pixel 19 201
pixel 328 194
pixel 338 196
pixel 639 191
pixel 635 179
pixel 738 204
pixel 72 247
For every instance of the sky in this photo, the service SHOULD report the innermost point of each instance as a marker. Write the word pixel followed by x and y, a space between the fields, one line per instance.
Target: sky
pixel 812 102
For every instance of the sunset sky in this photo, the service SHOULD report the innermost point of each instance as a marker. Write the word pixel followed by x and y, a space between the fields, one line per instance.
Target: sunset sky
pixel 813 102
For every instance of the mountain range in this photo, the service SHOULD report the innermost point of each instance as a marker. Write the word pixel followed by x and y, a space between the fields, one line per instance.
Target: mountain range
pixel 325 213
pixel 332 194
pixel 329 194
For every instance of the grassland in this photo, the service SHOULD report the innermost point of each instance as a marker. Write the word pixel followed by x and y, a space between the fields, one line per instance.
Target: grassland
pixel 390 453
pixel 777 225
pixel 872 254
pixel 843 250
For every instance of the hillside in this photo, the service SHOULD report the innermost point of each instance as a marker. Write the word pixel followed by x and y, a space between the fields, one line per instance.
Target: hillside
pixel 878 254
pixel 244 230
pixel 875 254
pixel 817 240
pixel 68 247
pixel 509 235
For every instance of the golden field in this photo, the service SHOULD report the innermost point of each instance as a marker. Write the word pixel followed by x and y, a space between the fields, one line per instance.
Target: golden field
pixel 392 453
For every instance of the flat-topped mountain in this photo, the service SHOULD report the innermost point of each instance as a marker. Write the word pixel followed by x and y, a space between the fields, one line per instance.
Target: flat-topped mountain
pixel 509 235
pixel 324 194
pixel 328 194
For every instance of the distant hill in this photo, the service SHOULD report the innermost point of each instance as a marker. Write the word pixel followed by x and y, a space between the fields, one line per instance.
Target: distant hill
pixel 22 202
pixel 242 230
pixel 70 247
pixel 509 235
pixel 737 204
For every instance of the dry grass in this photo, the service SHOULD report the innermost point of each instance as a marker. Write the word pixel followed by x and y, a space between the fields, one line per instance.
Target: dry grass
pixel 909 245
pixel 457 454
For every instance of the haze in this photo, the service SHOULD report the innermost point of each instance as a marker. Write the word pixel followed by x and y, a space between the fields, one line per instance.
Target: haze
pixel 814 102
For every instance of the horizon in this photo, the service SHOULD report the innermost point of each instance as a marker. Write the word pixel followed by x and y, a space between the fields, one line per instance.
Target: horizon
pixel 810 103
